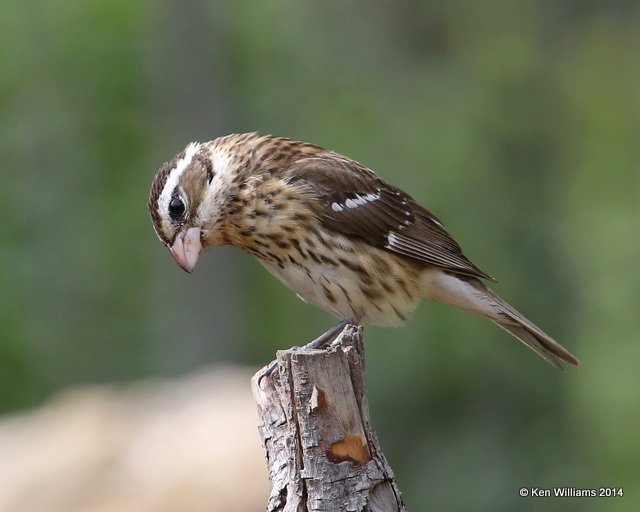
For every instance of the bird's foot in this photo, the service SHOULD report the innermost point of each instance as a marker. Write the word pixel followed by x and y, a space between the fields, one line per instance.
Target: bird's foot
pixel 322 341
pixel 325 339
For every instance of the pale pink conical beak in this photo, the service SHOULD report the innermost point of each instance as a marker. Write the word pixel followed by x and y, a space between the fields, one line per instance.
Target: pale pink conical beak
pixel 186 248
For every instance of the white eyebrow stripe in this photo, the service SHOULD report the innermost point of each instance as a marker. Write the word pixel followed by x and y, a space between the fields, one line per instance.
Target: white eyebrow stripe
pixel 174 178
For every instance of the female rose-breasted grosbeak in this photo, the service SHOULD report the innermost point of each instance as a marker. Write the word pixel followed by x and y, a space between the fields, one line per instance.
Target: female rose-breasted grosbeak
pixel 328 228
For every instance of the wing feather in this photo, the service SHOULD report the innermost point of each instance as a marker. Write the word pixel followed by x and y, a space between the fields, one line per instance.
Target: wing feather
pixel 352 200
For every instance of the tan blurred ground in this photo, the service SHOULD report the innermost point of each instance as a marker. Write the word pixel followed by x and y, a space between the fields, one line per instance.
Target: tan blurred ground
pixel 189 445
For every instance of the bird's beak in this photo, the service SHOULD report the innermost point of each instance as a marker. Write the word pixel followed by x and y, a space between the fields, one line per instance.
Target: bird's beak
pixel 186 248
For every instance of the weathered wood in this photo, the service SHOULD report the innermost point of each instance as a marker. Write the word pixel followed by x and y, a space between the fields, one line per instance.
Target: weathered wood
pixel 321 451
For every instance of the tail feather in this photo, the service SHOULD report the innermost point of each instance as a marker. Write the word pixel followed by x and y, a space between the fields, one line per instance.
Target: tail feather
pixel 533 343
pixel 512 321
pixel 470 294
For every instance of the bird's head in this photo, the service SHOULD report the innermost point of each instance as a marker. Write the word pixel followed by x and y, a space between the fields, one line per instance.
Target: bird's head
pixel 188 198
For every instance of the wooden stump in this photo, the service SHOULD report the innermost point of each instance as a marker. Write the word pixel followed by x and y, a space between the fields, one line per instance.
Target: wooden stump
pixel 321 451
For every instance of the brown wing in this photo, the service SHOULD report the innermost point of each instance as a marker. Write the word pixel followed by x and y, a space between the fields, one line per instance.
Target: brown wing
pixel 353 201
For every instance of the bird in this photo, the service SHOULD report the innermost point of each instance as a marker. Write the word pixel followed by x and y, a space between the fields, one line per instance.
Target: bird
pixel 328 228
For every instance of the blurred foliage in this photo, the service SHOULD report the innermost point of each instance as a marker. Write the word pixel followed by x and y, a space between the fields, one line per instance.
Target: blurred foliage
pixel 517 122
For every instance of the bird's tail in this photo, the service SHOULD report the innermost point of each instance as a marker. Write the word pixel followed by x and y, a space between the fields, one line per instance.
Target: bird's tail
pixel 540 342
pixel 472 295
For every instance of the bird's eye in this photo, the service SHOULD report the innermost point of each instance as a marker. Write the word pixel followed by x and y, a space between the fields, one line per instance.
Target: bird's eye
pixel 176 208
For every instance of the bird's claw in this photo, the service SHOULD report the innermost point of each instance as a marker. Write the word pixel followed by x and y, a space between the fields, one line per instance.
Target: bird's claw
pixel 322 341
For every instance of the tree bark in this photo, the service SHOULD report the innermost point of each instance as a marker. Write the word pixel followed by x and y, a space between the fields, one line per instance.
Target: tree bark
pixel 321 451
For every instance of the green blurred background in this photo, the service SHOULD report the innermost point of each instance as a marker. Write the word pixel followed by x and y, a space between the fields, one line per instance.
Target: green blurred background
pixel 516 122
